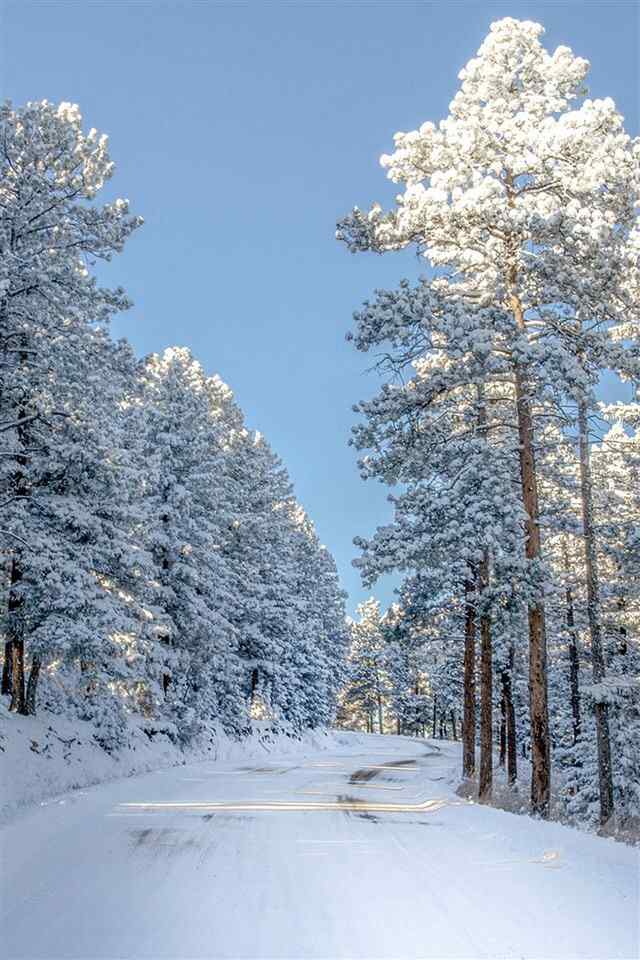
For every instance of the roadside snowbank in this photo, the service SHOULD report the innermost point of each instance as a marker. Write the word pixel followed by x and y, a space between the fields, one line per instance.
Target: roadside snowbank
pixel 42 757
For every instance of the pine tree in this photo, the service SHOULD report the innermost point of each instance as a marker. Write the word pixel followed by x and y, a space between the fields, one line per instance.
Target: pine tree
pixel 368 681
pixel 51 311
pixel 506 199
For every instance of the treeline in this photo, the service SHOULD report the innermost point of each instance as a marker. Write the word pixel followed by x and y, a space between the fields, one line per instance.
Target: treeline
pixel 517 513
pixel 156 567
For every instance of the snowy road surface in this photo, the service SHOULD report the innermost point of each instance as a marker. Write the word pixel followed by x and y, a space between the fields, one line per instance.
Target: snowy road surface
pixel 363 851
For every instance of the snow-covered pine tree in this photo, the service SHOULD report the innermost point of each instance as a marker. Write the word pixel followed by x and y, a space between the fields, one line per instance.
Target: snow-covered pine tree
pixel 77 575
pixel 616 518
pixel 319 639
pixel 368 683
pixel 51 311
pixel 506 199
pixel 175 431
pixel 156 562
pixel 434 622
pixel 406 669
pixel 446 435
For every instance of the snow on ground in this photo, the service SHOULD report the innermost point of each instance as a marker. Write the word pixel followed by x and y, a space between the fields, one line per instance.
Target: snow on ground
pixel 43 756
pixel 362 850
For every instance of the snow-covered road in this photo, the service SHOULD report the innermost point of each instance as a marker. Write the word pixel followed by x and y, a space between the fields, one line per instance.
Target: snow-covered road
pixel 363 851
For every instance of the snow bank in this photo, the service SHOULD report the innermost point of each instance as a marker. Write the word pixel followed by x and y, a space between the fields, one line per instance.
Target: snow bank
pixel 42 757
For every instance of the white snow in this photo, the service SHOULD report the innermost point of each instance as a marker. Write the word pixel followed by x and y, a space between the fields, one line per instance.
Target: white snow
pixel 47 755
pixel 287 857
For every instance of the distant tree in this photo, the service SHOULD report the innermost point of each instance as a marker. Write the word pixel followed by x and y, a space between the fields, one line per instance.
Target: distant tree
pixel 368 681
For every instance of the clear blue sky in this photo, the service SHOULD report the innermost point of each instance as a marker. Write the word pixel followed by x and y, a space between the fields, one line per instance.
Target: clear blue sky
pixel 241 131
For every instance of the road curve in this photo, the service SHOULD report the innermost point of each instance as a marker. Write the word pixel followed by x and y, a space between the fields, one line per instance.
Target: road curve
pixel 354 853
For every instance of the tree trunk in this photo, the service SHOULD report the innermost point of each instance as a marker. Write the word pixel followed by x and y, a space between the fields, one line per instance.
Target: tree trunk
pixel 32 685
pixel 15 626
pixel 14 630
pixel 510 711
pixel 622 647
pixel 486 694
pixel 593 610
pixel 453 725
pixel 7 681
pixel 538 693
pixel 434 715
pixel 574 662
pixel 18 704
pixel 469 707
pixel 503 732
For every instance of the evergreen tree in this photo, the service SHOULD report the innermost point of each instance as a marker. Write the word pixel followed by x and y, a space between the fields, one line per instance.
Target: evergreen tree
pixel 524 205
pixel 51 312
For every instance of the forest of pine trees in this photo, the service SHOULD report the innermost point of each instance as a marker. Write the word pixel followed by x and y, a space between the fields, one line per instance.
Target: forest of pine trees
pixel 516 503
pixel 155 566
